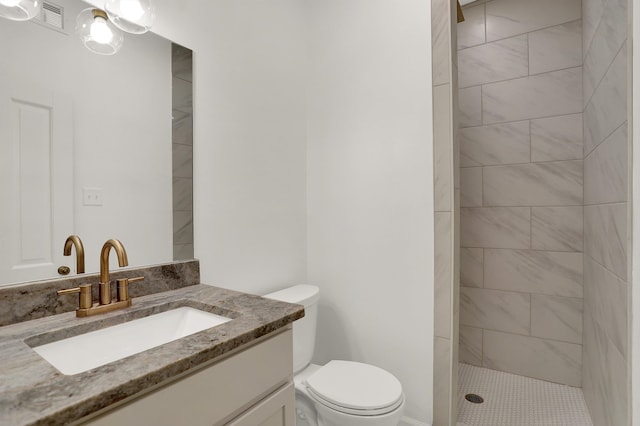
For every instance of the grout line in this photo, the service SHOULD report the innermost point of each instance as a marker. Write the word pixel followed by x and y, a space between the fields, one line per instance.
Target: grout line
pixel 535 30
pixel 488 83
pixel 484 7
pixel 604 267
pixel 522 249
pixel 597 86
pixel 523 119
pixel 537 293
pixel 625 123
pixel 528 55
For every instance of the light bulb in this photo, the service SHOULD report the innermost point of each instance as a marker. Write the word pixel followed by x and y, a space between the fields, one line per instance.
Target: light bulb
pixel 10 3
pixel 132 16
pixel 100 32
pixel 20 10
pixel 131 10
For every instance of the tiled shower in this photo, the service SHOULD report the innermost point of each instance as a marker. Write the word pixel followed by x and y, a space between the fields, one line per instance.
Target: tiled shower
pixel 543 169
pixel 521 188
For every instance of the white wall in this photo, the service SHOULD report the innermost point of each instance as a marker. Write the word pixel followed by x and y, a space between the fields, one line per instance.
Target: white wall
pixel 370 208
pixel 370 233
pixel 249 138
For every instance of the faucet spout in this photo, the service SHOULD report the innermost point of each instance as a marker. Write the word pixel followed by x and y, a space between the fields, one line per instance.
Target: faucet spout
pixel 105 281
pixel 104 258
pixel 74 240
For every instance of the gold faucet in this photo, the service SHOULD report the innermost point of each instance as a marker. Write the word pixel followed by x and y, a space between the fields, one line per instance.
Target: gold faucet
pixel 74 240
pixel 105 283
pixel 86 306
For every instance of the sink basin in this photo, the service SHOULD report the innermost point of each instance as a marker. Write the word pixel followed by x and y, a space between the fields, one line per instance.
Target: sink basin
pixel 86 351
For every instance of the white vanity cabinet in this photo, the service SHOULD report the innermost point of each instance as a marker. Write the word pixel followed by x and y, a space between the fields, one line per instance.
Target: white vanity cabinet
pixel 250 387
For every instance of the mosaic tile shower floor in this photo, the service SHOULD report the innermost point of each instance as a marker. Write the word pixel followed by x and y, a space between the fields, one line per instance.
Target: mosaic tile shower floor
pixel 512 400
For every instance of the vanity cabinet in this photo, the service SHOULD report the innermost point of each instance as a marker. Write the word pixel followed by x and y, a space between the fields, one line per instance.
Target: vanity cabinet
pixel 252 386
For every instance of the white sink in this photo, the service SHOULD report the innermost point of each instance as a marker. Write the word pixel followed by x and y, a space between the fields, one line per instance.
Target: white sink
pixel 86 351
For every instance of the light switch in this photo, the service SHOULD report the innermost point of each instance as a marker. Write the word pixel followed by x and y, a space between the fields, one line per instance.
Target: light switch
pixel 92 196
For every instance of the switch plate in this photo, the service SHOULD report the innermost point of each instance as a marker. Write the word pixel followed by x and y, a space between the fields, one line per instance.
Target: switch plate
pixel 92 196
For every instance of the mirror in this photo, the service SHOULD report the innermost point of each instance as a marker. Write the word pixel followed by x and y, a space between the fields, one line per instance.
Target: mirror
pixel 98 146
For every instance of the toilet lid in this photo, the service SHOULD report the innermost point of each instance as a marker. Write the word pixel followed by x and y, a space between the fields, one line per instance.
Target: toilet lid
pixel 356 388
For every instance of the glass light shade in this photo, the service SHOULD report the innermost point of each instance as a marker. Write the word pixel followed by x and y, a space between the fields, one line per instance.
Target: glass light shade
pixel 20 10
pixel 132 16
pixel 97 33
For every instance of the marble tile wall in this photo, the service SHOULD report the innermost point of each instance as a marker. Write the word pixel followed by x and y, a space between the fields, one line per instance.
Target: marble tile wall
pixel 606 152
pixel 182 145
pixel 446 211
pixel 522 181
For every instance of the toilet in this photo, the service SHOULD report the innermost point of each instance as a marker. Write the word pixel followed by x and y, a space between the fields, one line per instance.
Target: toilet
pixel 339 393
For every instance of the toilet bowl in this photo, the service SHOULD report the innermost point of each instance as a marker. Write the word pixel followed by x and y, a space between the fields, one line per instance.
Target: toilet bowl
pixel 339 393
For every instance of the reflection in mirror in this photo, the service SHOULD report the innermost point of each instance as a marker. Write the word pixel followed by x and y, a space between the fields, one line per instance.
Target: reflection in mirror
pixel 87 147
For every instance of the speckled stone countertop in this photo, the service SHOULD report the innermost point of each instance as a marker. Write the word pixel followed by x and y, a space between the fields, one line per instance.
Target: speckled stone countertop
pixel 33 392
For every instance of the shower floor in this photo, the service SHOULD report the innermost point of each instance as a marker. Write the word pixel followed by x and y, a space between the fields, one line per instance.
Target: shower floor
pixel 512 400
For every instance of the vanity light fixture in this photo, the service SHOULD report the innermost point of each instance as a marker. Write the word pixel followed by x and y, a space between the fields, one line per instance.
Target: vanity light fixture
pixel 97 32
pixel 132 16
pixel 20 10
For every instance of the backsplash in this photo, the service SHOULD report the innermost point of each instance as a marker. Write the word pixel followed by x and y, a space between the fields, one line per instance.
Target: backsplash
pixel 38 299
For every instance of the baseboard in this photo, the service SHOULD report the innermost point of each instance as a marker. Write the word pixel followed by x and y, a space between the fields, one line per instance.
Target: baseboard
pixel 407 421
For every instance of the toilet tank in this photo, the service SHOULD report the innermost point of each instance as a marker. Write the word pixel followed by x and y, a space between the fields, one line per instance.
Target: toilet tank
pixel 304 329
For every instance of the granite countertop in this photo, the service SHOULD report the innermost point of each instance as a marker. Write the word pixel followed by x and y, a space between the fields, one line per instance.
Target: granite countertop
pixel 33 392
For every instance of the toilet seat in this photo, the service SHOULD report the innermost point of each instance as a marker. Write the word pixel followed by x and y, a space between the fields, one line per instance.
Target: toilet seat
pixel 355 388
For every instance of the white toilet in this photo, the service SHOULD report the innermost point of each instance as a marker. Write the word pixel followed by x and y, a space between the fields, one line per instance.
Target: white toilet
pixel 340 393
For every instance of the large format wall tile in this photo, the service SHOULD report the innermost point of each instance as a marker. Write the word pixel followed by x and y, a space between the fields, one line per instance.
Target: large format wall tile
pixel 471 187
pixel 606 295
pixel 472 267
pixel 557 318
pixel 557 138
pixel 506 143
pixel 610 35
pixel 471 345
pixel 443 278
pixel 607 109
pixel 533 357
pixel 605 170
pixel 542 95
pixel 182 227
pixel 471 31
pixel 538 184
pixel 182 128
pixel 591 13
pixel 507 18
pixel 470 106
pixel 533 271
pixel 605 377
pixel 441 380
pixel 555 48
pixel 557 228
pixel 182 194
pixel 491 62
pixel 495 310
pixel 498 227
pixel 605 236
pixel 182 95
pixel 440 42
pixel 443 176
pixel 182 159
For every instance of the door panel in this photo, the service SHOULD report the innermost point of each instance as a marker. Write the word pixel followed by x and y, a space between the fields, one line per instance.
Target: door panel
pixel 36 162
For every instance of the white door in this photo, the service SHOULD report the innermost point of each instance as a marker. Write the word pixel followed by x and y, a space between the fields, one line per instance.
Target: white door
pixel 36 181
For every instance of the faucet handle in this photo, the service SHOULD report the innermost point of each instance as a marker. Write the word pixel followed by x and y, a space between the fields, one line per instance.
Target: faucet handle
pixel 123 287
pixel 85 301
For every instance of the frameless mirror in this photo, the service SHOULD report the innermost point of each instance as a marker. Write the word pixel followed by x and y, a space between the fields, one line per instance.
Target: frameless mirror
pixel 98 146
